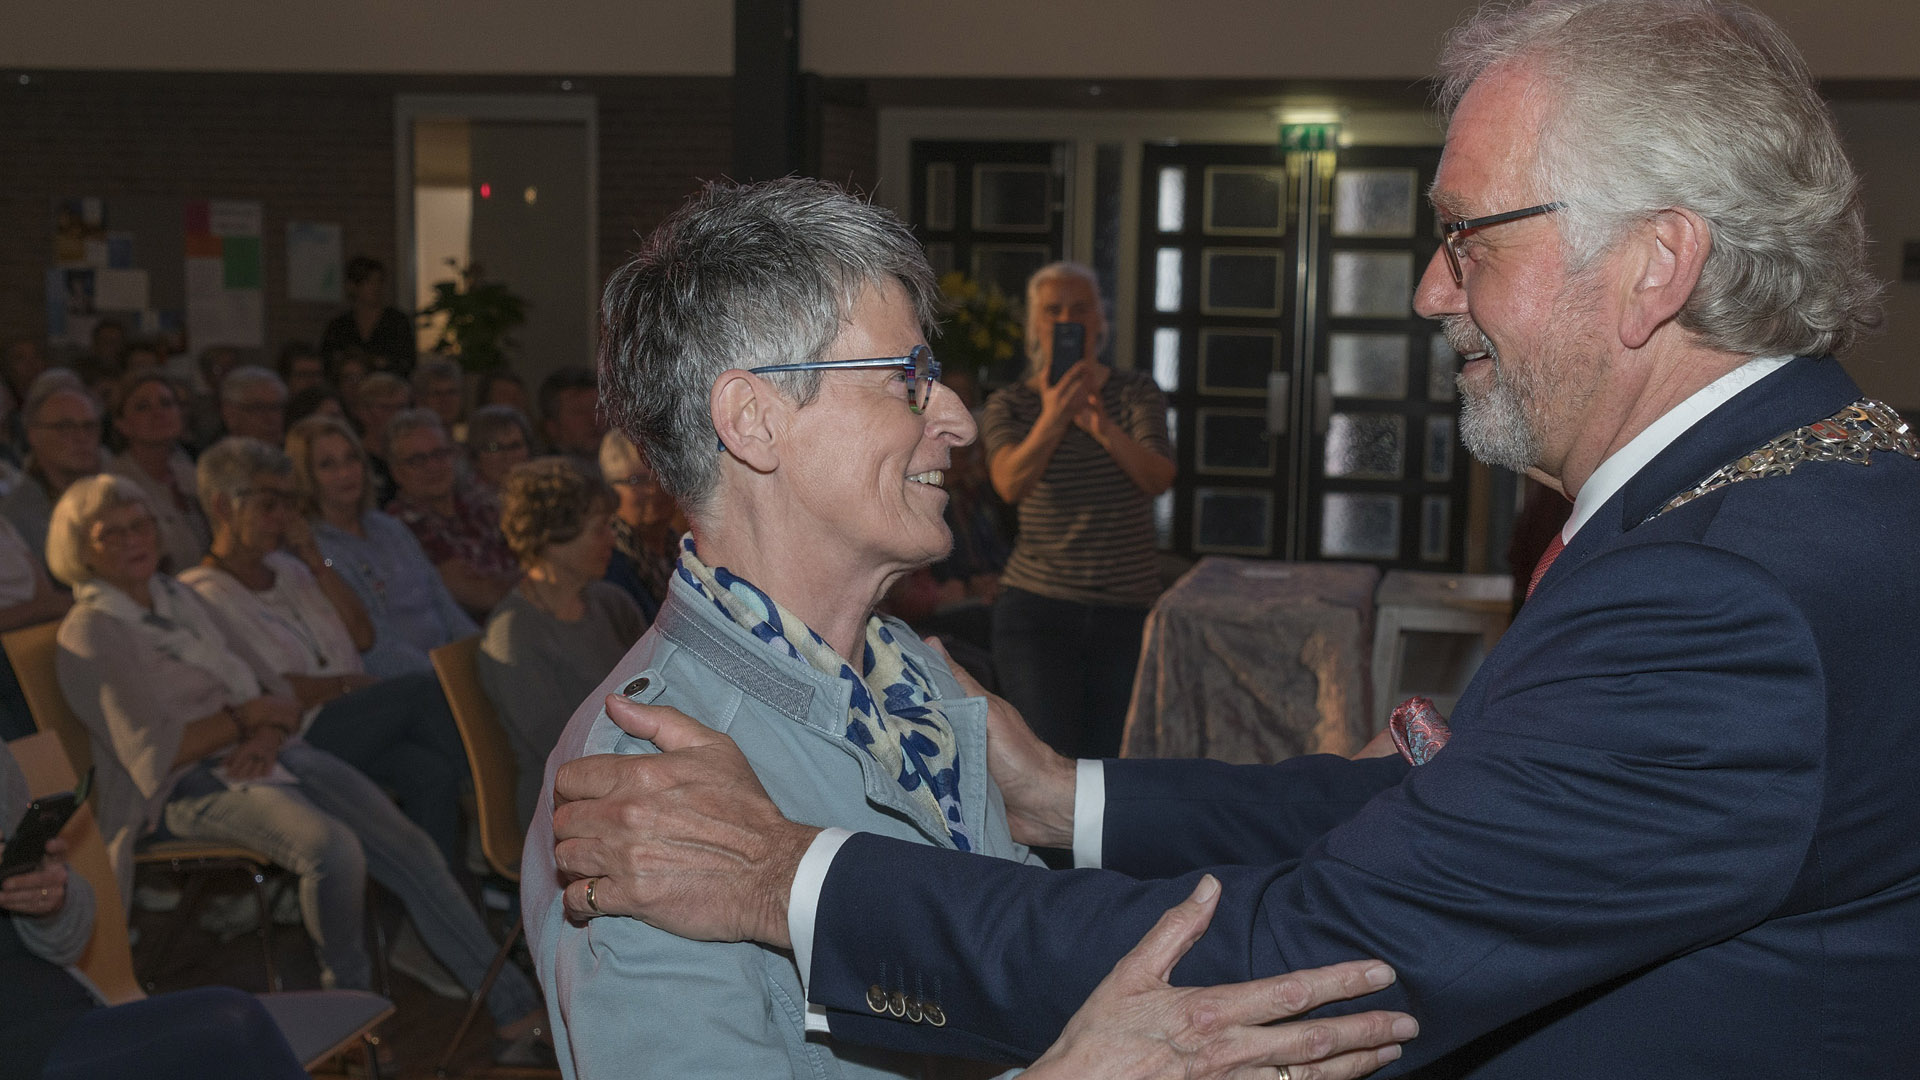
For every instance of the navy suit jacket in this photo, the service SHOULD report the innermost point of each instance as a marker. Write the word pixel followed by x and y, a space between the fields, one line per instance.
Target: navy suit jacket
pixel 1676 831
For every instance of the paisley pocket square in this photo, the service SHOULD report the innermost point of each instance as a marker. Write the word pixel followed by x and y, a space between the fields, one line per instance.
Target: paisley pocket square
pixel 1418 729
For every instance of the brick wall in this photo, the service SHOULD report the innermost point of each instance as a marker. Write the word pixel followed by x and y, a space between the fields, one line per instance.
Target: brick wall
pixel 316 148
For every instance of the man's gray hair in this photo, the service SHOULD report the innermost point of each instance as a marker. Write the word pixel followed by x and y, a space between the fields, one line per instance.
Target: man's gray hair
pixel 408 421
pixel 488 421
pixel 228 468
pixel 1702 105
pixel 739 277
pixel 50 384
pixel 1062 271
pixel 249 375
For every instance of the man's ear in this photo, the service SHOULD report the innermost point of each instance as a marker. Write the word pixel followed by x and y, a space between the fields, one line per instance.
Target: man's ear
pixel 1670 249
pixel 746 414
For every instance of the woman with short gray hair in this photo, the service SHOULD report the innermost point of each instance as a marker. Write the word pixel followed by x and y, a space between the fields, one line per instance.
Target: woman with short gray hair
pixel 265 577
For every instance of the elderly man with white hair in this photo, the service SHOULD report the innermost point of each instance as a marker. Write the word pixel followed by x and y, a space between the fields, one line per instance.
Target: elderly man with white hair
pixel 1669 831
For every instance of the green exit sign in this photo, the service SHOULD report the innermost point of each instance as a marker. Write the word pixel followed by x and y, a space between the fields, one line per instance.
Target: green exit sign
pixel 1309 136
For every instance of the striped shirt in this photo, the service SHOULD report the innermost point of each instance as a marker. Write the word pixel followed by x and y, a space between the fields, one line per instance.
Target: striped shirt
pixel 1086 529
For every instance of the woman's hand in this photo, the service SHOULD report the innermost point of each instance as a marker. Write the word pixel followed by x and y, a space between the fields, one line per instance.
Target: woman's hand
pixel 1037 783
pixel 298 539
pixel 38 892
pixel 267 711
pixel 1135 1026
pixel 256 754
pixel 1062 402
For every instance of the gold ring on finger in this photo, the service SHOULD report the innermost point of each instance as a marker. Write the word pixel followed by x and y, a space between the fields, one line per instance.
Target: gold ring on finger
pixel 594 905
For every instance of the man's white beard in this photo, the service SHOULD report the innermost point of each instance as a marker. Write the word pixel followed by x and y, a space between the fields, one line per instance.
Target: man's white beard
pixel 1497 427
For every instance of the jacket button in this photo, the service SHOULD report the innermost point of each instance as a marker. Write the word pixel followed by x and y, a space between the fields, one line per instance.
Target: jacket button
pixel 897 1003
pixel 636 686
pixel 914 1012
pixel 876 998
pixel 935 1016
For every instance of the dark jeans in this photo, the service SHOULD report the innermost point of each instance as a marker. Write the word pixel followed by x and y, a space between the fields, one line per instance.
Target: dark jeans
pixel 211 1033
pixel 1068 667
pixel 400 733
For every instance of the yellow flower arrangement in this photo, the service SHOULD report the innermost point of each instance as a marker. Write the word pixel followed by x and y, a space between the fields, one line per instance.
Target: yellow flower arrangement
pixel 981 333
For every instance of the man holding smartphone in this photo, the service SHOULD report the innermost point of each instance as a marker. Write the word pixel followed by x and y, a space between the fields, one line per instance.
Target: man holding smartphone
pixel 1081 450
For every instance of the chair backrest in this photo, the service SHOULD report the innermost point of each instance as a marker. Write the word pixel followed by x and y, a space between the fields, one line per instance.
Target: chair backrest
pixel 489 753
pixel 31 650
pixel 108 961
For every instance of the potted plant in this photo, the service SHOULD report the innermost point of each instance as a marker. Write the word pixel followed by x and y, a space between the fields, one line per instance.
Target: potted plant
pixel 478 316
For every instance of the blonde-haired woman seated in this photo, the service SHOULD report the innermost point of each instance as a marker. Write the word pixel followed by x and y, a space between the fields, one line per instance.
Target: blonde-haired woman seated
pixel 558 633
pixel 194 735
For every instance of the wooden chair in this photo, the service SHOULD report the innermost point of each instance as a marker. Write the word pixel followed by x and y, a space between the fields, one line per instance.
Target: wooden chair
pixel 495 786
pixel 319 1025
pixel 32 650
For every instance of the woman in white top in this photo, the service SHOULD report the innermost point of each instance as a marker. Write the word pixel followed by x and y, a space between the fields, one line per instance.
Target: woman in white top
pixel 267 581
pixel 149 416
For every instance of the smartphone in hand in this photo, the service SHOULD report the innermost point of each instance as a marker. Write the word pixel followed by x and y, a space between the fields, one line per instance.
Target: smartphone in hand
pixel 44 819
pixel 1069 345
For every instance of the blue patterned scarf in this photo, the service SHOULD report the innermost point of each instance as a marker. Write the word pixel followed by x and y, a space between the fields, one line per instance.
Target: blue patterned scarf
pixel 891 714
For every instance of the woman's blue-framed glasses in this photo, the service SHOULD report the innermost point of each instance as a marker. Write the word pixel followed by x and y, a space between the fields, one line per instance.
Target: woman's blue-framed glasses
pixel 919 365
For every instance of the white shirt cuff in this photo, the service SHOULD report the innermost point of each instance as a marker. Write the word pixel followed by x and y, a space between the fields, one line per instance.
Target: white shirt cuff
pixel 1089 812
pixel 803 904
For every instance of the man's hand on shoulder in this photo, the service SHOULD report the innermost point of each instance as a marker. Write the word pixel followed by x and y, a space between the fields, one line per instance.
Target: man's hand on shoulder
pixel 685 839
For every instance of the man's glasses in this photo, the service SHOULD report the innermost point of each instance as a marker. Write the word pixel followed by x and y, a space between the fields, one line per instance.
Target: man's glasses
pixel 919 365
pixel 270 500
pixel 425 457
pixel 1452 231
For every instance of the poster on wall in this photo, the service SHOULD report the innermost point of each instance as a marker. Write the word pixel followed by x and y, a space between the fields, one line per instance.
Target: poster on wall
pixel 80 232
pixel 313 262
pixel 225 299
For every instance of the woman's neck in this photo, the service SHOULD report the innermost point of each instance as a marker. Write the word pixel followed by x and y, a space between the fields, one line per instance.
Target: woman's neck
pixel 835 601
pixel 345 517
pixel 139 590
pixel 245 563
pixel 154 458
pixel 557 591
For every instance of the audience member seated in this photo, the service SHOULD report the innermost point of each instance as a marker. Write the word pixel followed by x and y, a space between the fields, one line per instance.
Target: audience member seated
pixel 143 355
pixel 498 438
pixel 109 345
pixel 27 596
pixel 203 408
pixel 315 401
pixel 195 736
pixel 570 416
pixel 501 387
pixel 345 371
pixel 563 628
pixel 646 525
pixel 373 325
pixel 54 1028
pixel 301 367
pixel 63 445
pixel 20 364
pixel 436 386
pixel 268 583
pixel 149 418
pixel 412 611
pixel 253 404
pixel 458 527
pixel 373 405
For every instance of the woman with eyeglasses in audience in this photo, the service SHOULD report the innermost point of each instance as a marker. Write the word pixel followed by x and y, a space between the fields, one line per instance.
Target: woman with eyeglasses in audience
pixel 412 611
pixel 457 525
pixel 150 418
pixel 267 580
pixel 196 735
pixel 558 633
pixel 647 524
pixel 498 438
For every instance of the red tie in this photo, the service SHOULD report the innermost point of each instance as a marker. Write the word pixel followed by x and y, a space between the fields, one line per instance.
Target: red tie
pixel 1546 560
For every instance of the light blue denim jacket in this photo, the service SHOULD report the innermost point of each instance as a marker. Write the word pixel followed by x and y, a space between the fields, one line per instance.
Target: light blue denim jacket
pixel 631 1001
